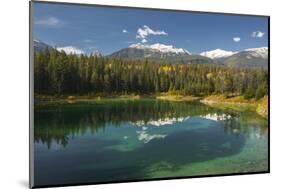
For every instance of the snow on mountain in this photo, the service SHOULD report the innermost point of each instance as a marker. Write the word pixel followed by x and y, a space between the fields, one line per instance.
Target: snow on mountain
pixel 71 50
pixel 261 52
pixel 217 53
pixel 249 58
pixel 36 41
pixel 40 46
pixel 161 48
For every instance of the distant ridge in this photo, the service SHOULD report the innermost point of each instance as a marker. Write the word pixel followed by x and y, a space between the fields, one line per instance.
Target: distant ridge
pixel 217 53
pixel 159 53
pixel 250 58
pixel 40 46
pixel 247 58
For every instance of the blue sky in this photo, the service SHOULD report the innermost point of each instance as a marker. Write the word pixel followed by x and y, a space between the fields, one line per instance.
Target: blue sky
pixel 108 29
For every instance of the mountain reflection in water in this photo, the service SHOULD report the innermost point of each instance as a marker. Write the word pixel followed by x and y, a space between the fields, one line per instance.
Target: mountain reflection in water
pixel 59 124
pixel 146 138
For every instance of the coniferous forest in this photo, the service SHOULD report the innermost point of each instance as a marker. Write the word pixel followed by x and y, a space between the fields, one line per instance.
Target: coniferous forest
pixel 56 74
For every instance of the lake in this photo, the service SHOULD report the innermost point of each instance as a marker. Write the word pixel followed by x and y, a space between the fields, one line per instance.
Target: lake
pixel 123 140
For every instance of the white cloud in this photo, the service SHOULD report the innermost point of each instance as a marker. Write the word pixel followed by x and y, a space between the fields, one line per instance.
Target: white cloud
pixel 236 39
pixel 145 31
pixel 71 50
pixel 143 40
pixel 49 22
pixel 257 34
pixel 124 31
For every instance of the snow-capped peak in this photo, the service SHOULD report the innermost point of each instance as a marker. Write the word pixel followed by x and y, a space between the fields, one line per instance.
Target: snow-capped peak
pixel 261 52
pixel 71 50
pixel 161 48
pixel 36 41
pixel 217 53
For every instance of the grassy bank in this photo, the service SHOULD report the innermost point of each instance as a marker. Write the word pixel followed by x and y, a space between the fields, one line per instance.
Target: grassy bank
pixel 161 96
pixel 48 99
pixel 262 107
pixel 221 100
pixel 238 103
pixel 166 96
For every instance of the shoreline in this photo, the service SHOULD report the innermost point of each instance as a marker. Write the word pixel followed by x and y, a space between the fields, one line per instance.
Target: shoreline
pixel 220 101
pixel 238 103
pixel 65 98
pixel 179 98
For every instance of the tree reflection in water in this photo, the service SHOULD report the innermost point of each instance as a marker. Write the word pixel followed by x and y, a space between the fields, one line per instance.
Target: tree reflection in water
pixel 59 123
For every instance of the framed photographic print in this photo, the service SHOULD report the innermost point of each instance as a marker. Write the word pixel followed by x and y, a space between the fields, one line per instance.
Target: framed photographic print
pixel 122 94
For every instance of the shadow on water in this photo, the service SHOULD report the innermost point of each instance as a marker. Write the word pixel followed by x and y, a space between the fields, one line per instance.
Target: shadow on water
pixel 86 158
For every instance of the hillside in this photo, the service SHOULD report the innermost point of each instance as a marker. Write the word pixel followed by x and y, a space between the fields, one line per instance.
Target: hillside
pixel 247 58
pixel 160 53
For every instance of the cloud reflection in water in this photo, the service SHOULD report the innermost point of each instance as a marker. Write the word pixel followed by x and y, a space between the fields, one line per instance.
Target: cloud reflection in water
pixel 145 137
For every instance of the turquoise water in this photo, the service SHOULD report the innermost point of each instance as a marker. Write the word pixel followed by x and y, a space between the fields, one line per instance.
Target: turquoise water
pixel 91 142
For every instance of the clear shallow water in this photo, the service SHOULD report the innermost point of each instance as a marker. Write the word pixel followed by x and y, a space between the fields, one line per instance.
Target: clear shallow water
pixel 142 139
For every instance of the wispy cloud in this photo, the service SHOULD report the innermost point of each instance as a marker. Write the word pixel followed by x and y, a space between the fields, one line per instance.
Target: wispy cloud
pixel 145 31
pixel 87 40
pixel 236 39
pixel 124 31
pixel 49 22
pixel 71 50
pixel 257 34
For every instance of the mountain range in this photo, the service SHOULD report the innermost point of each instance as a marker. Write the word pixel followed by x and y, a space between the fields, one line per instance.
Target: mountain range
pixel 253 57
pixel 217 53
pixel 159 53
pixel 250 58
pixel 40 46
